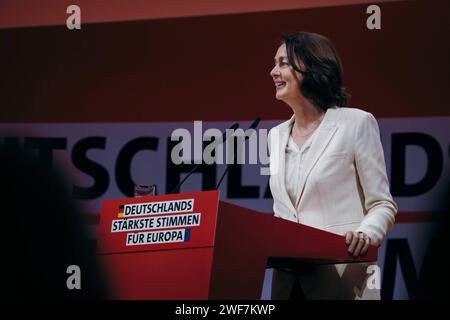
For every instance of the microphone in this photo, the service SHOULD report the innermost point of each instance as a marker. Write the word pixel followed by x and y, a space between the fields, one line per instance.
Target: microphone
pixel 224 138
pixel 252 126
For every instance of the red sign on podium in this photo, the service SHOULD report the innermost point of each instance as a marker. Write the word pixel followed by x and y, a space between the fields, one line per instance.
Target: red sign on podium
pixel 158 222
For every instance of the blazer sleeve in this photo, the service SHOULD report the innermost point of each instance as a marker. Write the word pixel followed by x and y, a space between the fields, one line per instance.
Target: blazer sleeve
pixel 369 158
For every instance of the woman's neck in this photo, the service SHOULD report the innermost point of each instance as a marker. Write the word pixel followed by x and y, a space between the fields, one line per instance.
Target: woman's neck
pixel 306 114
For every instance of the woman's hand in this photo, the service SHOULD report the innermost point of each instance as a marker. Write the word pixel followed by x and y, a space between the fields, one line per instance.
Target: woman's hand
pixel 357 242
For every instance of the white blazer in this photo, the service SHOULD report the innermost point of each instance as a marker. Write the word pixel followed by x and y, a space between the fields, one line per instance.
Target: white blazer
pixel 343 187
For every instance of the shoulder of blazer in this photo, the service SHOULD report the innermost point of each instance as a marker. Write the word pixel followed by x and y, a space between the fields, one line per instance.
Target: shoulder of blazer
pixel 354 114
pixel 336 114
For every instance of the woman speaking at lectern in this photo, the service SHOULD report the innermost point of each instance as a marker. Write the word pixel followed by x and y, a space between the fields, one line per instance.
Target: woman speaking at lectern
pixel 330 170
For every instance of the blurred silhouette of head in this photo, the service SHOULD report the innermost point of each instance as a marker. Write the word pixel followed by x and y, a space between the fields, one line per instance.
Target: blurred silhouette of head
pixel 42 234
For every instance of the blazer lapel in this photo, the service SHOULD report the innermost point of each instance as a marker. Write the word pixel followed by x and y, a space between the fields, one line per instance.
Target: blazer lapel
pixel 320 141
pixel 281 156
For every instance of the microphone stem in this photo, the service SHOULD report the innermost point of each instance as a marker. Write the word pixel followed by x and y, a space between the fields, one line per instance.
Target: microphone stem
pixel 184 179
pixel 223 176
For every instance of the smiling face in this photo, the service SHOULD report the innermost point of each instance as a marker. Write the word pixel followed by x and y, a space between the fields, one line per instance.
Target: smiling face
pixel 287 80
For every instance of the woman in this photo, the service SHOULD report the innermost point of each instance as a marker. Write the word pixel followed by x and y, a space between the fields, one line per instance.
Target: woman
pixel 327 168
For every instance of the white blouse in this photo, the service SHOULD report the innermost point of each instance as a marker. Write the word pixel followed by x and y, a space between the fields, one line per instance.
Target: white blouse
pixel 293 168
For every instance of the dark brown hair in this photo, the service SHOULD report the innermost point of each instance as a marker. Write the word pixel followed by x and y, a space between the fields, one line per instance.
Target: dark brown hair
pixel 317 60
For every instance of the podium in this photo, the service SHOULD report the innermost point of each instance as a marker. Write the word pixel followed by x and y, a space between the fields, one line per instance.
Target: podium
pixel 193 246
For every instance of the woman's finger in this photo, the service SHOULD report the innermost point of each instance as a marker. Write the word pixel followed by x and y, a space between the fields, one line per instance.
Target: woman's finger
pixel 359 246
pixel 353 243
pixel 348 237
pixel 366 246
